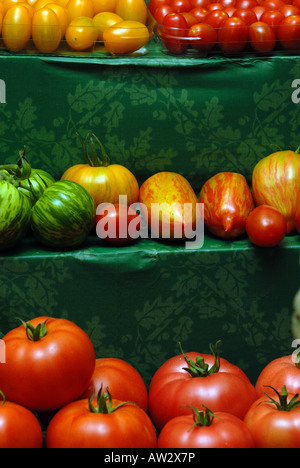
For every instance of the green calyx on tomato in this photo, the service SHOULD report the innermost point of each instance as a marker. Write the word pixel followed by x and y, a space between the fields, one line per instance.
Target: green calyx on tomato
pixel 3 398
pixel 283 404
pixel 199 368
pixel 35 333
pixel 93 160
pixel 202 418
pixel 104 403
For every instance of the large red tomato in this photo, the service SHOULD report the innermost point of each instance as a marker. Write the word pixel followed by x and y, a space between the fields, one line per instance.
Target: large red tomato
pixel 117 224
pixel 276 182
pixel 205 429
pixel 266 226
pixel 49 362
pixel 102 422
pixel 104 181
pixel 279 372
pixel 196 380
pixel 123 381
pixel 227 203
pixel 274 422
pixel 19 428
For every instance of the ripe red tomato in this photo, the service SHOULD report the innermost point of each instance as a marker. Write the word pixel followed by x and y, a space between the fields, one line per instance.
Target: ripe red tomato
pixel 173 33
pixel 199 13
pixel 162 11
pixel 262 37
pixel 230 10
pixel 233 35
pixel 279 372
pixel 274 422
pixel 289 32
pixel 258 10
pixel 216 17
pixel 214 6
pixel 181 6
pixel 273 18
pixel 191 379
pixel 122 380
pixel 246 4
pixel 266 226
pixel 102 422
pixel 200 3
pixel 117 224
pixel 154 4
pixel 49 362
pixel 228 3
pixel 273 4
pixel 205 429
pixel 246 15
pixel 19 428
pixel 297 219
pixel 189 18
pixel 289 10
pixel 203 37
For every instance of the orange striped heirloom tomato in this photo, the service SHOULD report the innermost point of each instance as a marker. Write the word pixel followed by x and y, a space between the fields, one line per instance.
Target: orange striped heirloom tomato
pixel 46 30
pixel 81 34
pixel 104 181
pixel 125 37
pixel 16 28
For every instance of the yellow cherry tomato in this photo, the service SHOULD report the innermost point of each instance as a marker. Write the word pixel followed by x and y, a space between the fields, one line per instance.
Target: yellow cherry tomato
pixel 104 5
pixel 29 8
pixel 80 8
pixel 7 4
pixel 46 30
pixel 105 20
pixel 62 16
pixel 125 37
pixel 1 19
pixel 16 28
pixel 134 10
pixel 81 34
pixel 40 4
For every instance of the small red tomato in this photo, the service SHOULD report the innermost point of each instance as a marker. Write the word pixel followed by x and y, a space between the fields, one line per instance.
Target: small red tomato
pixel 228 3
pixel 289 10
pixel 173 33
pixel 262 37
pixel 233 35
pixel 289 32
pixel 162 11
pixel 199 13
pixel 266 226
pixel 230 10
pixel 117 224
pixel 246 4
pixel 189 18
pixel 246 15
pixel 273 4
pixel 200 3
pixel 153 4
pixel 216 17
pixel 258 10
pixel 273 18
pixel 203 37
pixel 297 219
pixel 215 6
pixel 181 5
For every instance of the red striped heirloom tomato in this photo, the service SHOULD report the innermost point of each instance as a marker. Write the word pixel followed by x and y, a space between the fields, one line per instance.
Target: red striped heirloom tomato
pixel 104 181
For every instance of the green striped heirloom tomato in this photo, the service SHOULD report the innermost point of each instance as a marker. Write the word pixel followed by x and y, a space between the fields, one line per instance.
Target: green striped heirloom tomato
pixel 104 181
pixel 49 363
pixel 15 215
pixel 64 215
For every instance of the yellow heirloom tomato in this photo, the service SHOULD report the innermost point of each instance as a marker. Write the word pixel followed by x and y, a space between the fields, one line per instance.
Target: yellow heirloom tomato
pixel 105 20
pixel 80 8
pixel 125 37
pixel 134 10
pixel 46 30
pixel 16 28
pixel 81 34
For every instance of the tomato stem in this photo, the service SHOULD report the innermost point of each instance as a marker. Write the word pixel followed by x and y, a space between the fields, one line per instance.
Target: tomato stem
pixel 35 333
pixel 200 417
pixel 104 402
pixel 94 160
pixel 297 150
pixel 3 398
pixel 199 368
pixel 282 404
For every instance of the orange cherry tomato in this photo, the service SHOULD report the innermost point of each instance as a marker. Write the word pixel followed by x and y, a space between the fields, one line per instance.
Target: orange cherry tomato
pixel 81 34
pixel 104 5
pixel 80 8
pixel 62 16
pixel 29 8
pixel 1 20
pixel 7 4
pixel 134 10
pixel 125 37
pixel 40 4
pixel 104 20
pixel 46 30
pixel 62 3
pixel 16 28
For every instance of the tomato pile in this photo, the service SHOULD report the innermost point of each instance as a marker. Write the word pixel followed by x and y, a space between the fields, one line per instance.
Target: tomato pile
pixel 47 25
pixel 55 392
pixel 229 26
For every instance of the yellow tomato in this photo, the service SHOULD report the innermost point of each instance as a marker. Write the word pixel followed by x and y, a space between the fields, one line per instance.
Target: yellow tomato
pixel 125 37
pixel 62 3
pixel 105 20
pixel 7 4
pixel 80 8
pixel 29 8
pixel 104 5
pixel 16 28
pixel 134 10
pixel 62 16
pixel 40 4
pixel 46 30
pixel 81 34
pixel 1 19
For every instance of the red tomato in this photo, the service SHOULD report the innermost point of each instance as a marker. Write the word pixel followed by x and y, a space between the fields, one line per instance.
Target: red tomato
pixel 173 33
pixel 289 32
pixel 161 12
pixel 189 18
pixel 203 37
pixel 262 37
pixel 273 18
pixel 233 35
pixel 214 6
pixel 246 4
pixel 273 4
pixel 297 219
pixel 199 13
pixel 52 360
pixel 266 226
pixel 230 11
pixel 246 15
pixel 181 5
pixel 153 4
pixel 101 422
pixel 117 224
pixel 216 17
pixel 204 429
pixel 258 10
pixel 200 3
pixel 228 3
pixel 275 423
pixel 191 379
pixel 279 372
pixel 296 3
pixel 122 380
pixel 289 10
pixel 19 428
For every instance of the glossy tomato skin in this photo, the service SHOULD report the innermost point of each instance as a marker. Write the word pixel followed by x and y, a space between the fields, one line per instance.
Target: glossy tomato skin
pixel 46 30
pixel 117 224
pixel 279 372
pixel 172 388
pixel 226 431
pixel 16 28
pixel 233 35
pixel 202 36
pixel 266 226
pixel 273 18
pixel 75 426
pixel 122 380
pixel 125 37
pixel 289 32
pixel 46 374
pixel 19 428
pixel 81 34
pixel 271 428
pixel 173 33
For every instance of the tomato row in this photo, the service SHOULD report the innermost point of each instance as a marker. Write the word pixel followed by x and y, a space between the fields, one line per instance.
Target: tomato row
pixel 194 400
pixel 231 26
pixel 79 24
